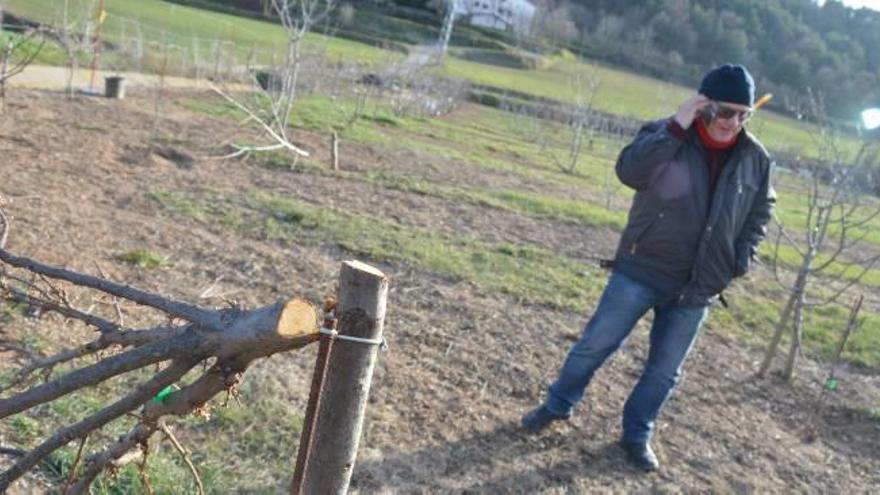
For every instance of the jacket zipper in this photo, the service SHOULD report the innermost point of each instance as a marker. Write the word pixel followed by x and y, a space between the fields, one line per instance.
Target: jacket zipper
pixel 714 212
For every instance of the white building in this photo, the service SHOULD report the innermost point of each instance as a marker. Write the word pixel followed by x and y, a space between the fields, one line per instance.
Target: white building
pixel 508 15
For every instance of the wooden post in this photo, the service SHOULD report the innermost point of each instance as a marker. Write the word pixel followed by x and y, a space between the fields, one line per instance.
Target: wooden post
pixel 362 295
pixel 334 150
pixel 216 61
pixel 96 54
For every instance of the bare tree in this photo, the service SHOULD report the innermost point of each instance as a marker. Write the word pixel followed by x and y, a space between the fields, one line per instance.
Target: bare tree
pixel 273 107
pixel 75 36
pixel 17 51
pixel 351 88
pixel 581 122
pixel 227 340
pixel 840 208
pixel 160 96
pixel 419 93
pixel 617 138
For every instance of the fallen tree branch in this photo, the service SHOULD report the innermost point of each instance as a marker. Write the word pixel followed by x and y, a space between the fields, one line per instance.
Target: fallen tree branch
pixel 45 363
pixel 107 339
pixel 187 345
pixel 13 452
pixel 139 396
pixel 233 337
pixel 209 319
pixel 66 311
pixel 281 141
pixel 139 434
pixel 76 462
pixel 200 488
pixel 218 378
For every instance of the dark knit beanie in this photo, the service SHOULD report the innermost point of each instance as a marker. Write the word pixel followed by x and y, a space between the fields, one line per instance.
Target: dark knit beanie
pixel 730 83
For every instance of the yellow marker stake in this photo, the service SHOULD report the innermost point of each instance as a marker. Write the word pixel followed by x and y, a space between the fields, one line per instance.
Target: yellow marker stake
pixel 762 101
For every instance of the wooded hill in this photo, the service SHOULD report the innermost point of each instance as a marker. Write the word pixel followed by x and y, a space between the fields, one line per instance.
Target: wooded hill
pixel 793 46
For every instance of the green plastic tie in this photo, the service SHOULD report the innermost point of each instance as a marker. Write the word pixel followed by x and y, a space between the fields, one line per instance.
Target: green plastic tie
pixel 164 393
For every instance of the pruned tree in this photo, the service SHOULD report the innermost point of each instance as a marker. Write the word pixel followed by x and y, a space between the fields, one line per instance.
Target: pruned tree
pixel 581 122
pixel 160 95
pixel 419 93
pixel 17 51
pixel 277 89
pixel 74 35
pixel 350 87
pixel 616 137
pixel 227 341
pixel 830 246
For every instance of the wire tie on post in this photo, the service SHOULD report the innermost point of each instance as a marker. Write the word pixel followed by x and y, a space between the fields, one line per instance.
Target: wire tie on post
pixel 383 345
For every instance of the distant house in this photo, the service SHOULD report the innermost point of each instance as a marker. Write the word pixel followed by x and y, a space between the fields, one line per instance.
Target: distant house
pixel 507 15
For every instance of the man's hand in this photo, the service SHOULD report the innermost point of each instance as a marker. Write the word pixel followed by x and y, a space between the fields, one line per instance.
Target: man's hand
pixel 688 110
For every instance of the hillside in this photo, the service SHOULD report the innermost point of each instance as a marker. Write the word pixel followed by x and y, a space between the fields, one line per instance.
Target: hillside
pixel 207 44
pixel 488 292
pixel 796 47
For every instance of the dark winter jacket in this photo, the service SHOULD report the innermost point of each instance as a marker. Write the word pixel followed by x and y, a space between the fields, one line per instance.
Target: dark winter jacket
pixel 682 238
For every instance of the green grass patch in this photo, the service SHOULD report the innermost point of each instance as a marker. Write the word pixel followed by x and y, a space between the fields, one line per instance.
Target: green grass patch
pixel 261 440
pixel 181 203
pixel 194 33
pixel 143 258
pixel 10 310
pixel 792 209
pixel 533 274
pixel 165 472
pixel 624 93
pixel 24 428
pixel 542 205
pixel 754 313
pixel 789 258
pixel 316 113
pixel 33 342
pixel 49 53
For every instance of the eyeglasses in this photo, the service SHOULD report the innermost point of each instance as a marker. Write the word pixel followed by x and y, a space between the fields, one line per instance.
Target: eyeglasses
pixel 724 112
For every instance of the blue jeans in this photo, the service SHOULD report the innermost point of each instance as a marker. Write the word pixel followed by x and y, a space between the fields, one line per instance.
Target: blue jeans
pixel 673 334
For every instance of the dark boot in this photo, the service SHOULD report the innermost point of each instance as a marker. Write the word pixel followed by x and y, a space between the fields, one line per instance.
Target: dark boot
pixel 640 455
pixel 540 418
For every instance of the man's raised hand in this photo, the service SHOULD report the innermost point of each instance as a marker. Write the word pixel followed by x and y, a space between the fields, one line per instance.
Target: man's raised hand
pixel 688 110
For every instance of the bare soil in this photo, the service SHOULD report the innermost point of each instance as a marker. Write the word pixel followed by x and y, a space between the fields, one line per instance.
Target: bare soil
pixel 463 364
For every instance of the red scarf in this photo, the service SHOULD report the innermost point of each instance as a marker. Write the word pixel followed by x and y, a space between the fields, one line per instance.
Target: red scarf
pixel 717 152
pixel 709 142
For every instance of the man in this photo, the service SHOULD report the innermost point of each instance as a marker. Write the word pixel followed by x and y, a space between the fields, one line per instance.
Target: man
pixel 703 198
